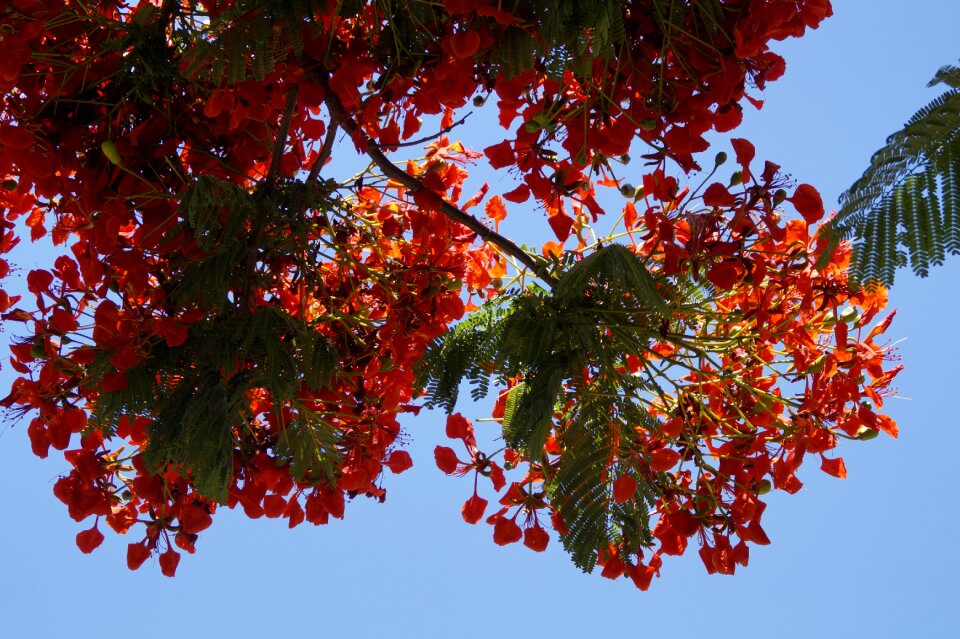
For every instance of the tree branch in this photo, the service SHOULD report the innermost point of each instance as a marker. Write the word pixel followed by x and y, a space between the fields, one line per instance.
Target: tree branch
pixel 339 115
pixel 281 142
pixel 443 131
pixel 325 151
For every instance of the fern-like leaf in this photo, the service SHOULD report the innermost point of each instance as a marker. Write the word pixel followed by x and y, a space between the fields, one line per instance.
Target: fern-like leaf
pixel 906 200
pixel 464 352
pixel 582 489
pixel 570 344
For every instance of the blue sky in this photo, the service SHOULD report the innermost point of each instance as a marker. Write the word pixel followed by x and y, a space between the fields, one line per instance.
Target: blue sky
pixel 874 555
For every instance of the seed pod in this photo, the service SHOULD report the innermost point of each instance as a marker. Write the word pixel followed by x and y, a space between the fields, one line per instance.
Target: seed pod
pixel 850 314
pixel 110 150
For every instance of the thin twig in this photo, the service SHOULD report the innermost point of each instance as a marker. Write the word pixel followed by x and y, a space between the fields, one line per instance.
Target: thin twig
pixel 443 131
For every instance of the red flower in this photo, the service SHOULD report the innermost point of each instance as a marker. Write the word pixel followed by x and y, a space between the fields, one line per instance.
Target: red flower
pixel 519 195
pixel 446 459
pixel 745 153
pixel 506 531
pixel 39 281
pixel 459 427
pixel 89 539
pixel 833 467
pixel 15 138
pixel 536 538
pixel 624 488
pixel 137 554
pixel 473 509
pixel 121 518
pixel 186 541
pixel 125 358
pixel 464 44
pixel 718 195
pixel 62 321
pixel 724 275
pixel 169 561
pixel 664 459
pixel 274 506
pixel 562 224
pixel 500 155
pixel 455 7
pixel 641 575
pixel 399 461
pixel 808 203
pixel 495 209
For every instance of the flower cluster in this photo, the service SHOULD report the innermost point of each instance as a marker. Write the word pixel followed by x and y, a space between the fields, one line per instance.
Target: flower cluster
pixel 782 360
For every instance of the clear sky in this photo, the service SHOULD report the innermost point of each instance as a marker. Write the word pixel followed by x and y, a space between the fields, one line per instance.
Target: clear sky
pixel 873 556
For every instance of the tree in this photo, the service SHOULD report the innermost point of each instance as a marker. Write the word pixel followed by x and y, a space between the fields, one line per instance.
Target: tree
pixel 232 323
pixel 905 204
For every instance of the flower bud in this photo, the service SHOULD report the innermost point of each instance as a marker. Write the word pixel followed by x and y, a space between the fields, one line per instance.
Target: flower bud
pixel 109 149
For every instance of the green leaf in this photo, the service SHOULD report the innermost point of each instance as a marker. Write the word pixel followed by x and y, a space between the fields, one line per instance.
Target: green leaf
pixel 618 270
pixel 531 419
pixel 193 430
pixel 310 445
pixel 904 205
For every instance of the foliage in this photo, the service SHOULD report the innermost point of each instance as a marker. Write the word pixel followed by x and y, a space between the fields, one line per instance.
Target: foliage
pixel 601 309
pixel 229 321
pixel 905 204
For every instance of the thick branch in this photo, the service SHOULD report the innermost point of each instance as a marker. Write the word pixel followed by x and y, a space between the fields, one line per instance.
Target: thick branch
pixel 339 115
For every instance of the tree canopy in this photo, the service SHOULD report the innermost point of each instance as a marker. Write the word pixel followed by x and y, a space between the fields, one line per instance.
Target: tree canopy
pixel 235 319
